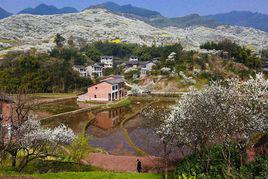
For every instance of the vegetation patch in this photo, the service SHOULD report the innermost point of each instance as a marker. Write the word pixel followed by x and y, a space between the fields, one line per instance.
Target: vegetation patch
pixel 101 175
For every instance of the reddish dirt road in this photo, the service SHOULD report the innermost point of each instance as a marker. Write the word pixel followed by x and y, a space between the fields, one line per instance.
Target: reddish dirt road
pixel 124 163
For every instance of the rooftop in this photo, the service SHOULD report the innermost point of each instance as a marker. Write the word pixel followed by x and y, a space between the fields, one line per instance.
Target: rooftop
pixel 107 57
pixel 79 66
pixel 114 80
pixel 97 65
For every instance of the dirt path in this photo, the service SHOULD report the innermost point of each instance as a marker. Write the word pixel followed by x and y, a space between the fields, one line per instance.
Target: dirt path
pixel 123 163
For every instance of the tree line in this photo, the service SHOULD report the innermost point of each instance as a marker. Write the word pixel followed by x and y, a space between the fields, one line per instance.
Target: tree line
pixel 40 73
pixel 240 53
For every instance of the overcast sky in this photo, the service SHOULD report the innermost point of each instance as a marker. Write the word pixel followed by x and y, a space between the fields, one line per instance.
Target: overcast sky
pixel 169 8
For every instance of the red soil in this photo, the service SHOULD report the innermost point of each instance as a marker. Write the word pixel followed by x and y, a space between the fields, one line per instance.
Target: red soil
pixel 124 163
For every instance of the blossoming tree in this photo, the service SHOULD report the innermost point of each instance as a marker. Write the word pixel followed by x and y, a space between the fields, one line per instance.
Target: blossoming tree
pixel 223 112
pixel 25 139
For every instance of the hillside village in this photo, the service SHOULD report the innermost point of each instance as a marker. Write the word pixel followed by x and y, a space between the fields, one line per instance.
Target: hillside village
pixel 99 93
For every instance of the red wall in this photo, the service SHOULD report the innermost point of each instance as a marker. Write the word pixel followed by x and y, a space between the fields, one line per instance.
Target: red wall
pixel 102 91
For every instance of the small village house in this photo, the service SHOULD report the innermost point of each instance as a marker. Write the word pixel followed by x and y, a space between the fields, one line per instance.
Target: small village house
pixel 81 70
pixel 133 59
pixel 94 69
pixel 110 89
pixel 89 71
pixel 146 68
pixel 107 61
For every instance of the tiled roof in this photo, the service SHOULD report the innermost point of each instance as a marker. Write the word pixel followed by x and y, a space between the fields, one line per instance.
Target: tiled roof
pixel 79 66
pixel 106 56
pixel 116 79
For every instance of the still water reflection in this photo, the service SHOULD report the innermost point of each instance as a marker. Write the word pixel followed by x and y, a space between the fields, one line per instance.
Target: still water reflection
pixel 106 132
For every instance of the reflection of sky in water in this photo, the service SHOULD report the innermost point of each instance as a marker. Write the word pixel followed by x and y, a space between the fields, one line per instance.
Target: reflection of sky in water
pixel 112 142
pixel 145 139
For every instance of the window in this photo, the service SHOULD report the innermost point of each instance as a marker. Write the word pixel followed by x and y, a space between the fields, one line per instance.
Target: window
pixel 113 88
pixel 95 96
pixel 96 88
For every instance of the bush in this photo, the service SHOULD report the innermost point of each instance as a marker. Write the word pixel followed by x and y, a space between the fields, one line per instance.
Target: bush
pixel 79 148
pixel 195 165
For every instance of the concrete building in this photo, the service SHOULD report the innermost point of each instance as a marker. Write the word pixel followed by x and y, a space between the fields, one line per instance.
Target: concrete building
pixel 110 89
pixel 133 59
pixel 81 70
pixel 146 68
pixel 107 61
pixel 94 69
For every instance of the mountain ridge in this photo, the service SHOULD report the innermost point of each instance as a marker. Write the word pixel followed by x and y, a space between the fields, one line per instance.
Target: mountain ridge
pixel 43 9
pixel 242 18
pixel 4 13
pixel 127 9
pixel 237 18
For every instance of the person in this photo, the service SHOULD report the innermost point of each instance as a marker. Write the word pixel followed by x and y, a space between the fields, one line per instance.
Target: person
pixel 139 166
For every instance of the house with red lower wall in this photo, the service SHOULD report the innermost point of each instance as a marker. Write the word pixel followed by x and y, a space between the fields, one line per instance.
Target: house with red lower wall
pixel 109 89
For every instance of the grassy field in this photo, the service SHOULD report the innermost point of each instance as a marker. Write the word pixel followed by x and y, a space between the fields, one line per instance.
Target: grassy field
pixel 100 175
pixel 87 175
pixel 55 95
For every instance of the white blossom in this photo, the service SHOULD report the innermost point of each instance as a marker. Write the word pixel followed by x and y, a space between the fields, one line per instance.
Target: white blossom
pixel 221 111
pixel 186 80
pixel 31 132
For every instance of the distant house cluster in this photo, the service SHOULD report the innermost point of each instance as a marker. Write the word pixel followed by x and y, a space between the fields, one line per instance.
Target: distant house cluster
pixel 106 62
pixel 95 70
pixel 145 66
pixel 112 88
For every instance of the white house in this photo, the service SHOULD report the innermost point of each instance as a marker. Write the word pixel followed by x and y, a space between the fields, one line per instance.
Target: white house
pixel 146 67
pixel 94 69
pixel 107 61
pixel 81 70
pixel 133 59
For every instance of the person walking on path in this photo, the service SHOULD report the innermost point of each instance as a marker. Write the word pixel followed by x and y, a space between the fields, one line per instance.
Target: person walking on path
pixel 139 168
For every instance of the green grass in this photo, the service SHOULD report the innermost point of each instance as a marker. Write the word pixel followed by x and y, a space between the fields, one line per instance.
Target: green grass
pixel 87 175
pixel 99 175
pixel 55 95
pixel 56 108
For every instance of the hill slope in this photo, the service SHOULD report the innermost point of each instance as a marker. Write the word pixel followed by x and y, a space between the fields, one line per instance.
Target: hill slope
pixel 4 13
pixel 242 18
pixel 44 9
pixel 90 25
pixel 22 32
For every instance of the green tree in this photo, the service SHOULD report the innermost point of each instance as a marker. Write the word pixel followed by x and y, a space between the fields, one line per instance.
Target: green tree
pixel 79 148
pixel 59 40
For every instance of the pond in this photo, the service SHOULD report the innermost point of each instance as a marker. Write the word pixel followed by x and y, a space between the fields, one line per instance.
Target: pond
pixel 107 133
